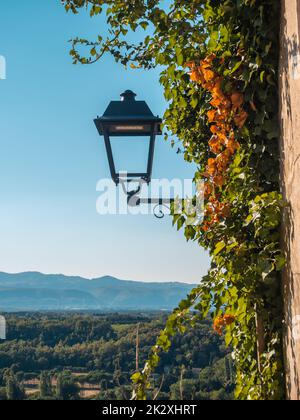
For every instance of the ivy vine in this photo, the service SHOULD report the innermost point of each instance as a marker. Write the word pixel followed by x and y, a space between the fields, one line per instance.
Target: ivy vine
pixel 220 72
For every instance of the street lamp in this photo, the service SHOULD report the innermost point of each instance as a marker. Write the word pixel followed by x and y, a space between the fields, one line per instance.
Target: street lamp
pixel 131 120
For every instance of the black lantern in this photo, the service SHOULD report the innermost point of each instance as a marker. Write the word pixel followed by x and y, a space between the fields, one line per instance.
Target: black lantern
pixel 126 119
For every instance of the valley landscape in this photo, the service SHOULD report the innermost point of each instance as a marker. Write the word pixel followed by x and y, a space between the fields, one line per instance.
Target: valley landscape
pixel 69 338
pixel 75 356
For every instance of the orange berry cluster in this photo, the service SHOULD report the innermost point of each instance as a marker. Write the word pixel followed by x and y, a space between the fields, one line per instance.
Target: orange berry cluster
pixel 223 321
pixel 227 111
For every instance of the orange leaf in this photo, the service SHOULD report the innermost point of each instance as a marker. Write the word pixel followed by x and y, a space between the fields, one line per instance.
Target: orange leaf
pixel 237 100
pixel 190 65
pixel 211 115
pixel 219 180
pixel 195 76
pixel 216 102
pixel 215 145
pixel 208 75
pixel 241 119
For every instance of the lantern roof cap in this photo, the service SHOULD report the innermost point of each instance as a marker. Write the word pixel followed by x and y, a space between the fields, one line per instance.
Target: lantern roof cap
pixel 128 109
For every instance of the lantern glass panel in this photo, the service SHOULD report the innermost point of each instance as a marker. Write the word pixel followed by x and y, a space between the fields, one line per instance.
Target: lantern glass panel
pixel 130 154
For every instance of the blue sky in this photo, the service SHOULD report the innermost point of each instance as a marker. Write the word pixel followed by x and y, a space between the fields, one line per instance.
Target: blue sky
pixel 51 158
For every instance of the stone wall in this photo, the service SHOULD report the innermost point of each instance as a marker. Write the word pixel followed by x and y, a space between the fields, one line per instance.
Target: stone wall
pixel 290 149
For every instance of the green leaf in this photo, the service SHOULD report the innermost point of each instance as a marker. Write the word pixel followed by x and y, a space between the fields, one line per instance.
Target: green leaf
pixel 219 247
pixel 137 377
pixel 280 262
pixel 180 222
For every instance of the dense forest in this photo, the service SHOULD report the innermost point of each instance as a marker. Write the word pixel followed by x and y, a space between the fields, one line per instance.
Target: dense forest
pixel 92 356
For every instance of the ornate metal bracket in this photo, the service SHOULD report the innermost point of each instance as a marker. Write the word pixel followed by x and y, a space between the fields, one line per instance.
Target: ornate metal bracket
pixel 134 200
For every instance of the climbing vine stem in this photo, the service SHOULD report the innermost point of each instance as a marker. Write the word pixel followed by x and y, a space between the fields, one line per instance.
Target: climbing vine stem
pixel 219 63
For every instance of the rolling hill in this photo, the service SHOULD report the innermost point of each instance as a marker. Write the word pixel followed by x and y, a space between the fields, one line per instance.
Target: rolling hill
pixel 33 291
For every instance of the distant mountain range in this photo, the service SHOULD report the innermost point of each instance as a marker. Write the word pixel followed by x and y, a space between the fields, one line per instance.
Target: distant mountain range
pixel 34 291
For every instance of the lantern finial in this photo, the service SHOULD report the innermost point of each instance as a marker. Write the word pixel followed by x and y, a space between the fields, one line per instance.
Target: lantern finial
pixel 128 95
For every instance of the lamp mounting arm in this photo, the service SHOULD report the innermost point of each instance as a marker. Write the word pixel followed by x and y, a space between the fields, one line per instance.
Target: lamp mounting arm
pixel 134 200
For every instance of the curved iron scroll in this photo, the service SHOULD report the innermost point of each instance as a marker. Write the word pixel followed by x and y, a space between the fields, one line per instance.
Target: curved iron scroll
pixel 134 200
